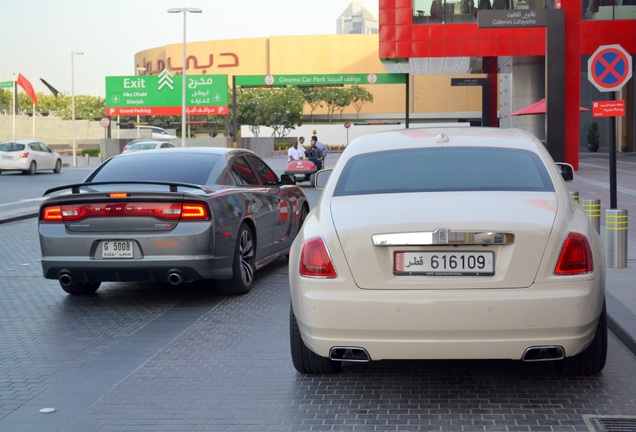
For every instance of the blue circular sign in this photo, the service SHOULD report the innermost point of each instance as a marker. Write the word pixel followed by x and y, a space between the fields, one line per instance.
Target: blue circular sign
pixel 609 68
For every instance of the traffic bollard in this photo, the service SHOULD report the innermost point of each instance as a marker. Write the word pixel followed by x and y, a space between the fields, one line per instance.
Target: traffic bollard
pixel 575 196
pixel 87 157
pixel 593 211
pixel 616 226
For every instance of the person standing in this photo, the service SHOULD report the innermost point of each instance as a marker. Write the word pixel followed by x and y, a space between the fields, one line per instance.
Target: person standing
pixel 323 148
pixel 296 151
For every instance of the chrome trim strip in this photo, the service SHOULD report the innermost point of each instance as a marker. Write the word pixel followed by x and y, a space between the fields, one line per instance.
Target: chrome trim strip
pixel 443 236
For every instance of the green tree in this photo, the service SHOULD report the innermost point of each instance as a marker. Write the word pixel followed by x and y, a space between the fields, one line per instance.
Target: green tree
pixel 282 110
pixel 248 101
pixel 5 101
pixel 337 99
pixel 314 97
pixel 359 96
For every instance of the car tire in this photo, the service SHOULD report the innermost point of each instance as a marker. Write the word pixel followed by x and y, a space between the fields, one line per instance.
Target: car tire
pixel 81 288
pixel 303 215
pixel 592 359
pixel 243 265
pixel 305 360
pixel 58 166
pixel 33 168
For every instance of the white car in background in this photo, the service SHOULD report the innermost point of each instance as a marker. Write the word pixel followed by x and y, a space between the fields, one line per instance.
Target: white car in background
pixel 157 132
pixel 29 157
pixel 146 144
pixel 447 244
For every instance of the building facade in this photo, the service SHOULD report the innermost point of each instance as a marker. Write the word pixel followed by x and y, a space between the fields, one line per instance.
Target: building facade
pixel 357 19
pixel 431 99
pixel 523 63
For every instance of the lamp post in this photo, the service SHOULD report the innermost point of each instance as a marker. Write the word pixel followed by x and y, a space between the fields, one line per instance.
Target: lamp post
pixel 73 54
pixel 184 11
pixel 137 70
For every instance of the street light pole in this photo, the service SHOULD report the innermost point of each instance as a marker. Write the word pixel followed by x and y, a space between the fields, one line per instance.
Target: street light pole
pixel 73 54
pixel 184 11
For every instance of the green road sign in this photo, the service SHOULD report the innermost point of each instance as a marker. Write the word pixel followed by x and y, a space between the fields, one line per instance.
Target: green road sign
pixel 161 94
pixel 319 80
pixel 6 84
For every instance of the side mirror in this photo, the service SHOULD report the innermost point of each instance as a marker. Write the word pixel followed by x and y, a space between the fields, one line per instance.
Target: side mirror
pixel 566 170
pixel 287 179
pixel 321 178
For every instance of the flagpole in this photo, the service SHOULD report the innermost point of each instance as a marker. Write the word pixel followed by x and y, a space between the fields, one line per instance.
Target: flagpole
pixel 14 99
pixel 33 121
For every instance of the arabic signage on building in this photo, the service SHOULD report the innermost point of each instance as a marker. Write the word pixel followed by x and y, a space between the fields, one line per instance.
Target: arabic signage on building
pixel 609 108
pixel 319 80
pixel 161 94
pixel 507 18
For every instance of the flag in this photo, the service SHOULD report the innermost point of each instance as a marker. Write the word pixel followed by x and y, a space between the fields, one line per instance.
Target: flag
pixel 53 89
pixel 28 88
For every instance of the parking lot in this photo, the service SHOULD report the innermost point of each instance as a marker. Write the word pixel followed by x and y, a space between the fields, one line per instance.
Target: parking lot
pixel 160 358
pixel 154 357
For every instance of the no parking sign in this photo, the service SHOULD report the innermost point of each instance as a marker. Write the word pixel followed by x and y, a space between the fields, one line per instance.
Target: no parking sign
pixel 609 68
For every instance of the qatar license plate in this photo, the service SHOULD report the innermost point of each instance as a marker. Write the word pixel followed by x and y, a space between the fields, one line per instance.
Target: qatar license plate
pixel 118 249
pixel 444 263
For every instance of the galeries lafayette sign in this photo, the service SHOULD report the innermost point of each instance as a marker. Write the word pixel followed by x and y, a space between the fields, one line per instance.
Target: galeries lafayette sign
pixel 512 18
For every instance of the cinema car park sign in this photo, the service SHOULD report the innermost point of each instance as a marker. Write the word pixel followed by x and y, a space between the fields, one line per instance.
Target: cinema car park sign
pixel 157 95
pixel 318 80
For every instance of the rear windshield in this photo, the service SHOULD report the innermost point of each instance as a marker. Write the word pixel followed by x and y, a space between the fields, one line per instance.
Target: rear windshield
pixel 143 146
pixel 444 169
pixel 166 166
pixel 10 147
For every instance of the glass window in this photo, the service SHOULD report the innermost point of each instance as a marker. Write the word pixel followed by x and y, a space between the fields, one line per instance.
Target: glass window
pixel 243 170
pixel 265 173
pixel 444 170
pixel 11 147
pixel 163 166
pixel 609 9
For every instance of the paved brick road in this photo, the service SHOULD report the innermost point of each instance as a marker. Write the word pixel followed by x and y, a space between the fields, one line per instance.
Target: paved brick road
pixel 143 357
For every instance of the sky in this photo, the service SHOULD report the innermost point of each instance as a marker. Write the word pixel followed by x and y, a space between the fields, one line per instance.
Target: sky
pixel 37 36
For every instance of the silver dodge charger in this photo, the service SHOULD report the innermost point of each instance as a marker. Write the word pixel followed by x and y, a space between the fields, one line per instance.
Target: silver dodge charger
pixel 172 215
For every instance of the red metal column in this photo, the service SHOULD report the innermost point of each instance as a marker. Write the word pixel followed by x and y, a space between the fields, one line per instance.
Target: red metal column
pixel 573 13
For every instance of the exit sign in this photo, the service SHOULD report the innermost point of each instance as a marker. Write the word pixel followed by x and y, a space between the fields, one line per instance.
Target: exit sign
pixel 162 95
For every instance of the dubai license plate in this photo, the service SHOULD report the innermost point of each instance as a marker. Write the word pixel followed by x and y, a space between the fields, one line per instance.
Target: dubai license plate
pixel 7 157
pixel 444 263
pixel 118 249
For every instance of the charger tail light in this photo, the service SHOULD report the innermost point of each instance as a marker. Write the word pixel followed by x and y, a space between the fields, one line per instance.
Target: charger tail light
pixel 576 256
pixel 315 261
pixel 188 211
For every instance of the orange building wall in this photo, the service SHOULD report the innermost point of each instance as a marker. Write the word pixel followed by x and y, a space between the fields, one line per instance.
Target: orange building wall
pixel 316 54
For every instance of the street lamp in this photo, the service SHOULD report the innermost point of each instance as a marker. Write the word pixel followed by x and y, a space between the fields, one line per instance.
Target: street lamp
pixel 73 54
pixel 184 11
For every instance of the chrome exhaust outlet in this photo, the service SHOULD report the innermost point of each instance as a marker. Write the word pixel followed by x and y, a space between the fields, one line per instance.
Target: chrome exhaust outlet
pixel 175 278
pixel 543 353
pixel 352 354
pixel 65 279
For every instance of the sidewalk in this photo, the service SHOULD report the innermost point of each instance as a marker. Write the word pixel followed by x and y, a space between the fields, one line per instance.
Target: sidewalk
pixel 591 182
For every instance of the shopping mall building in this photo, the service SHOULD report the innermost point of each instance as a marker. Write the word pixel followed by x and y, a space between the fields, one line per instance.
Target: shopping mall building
pixel 465 62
